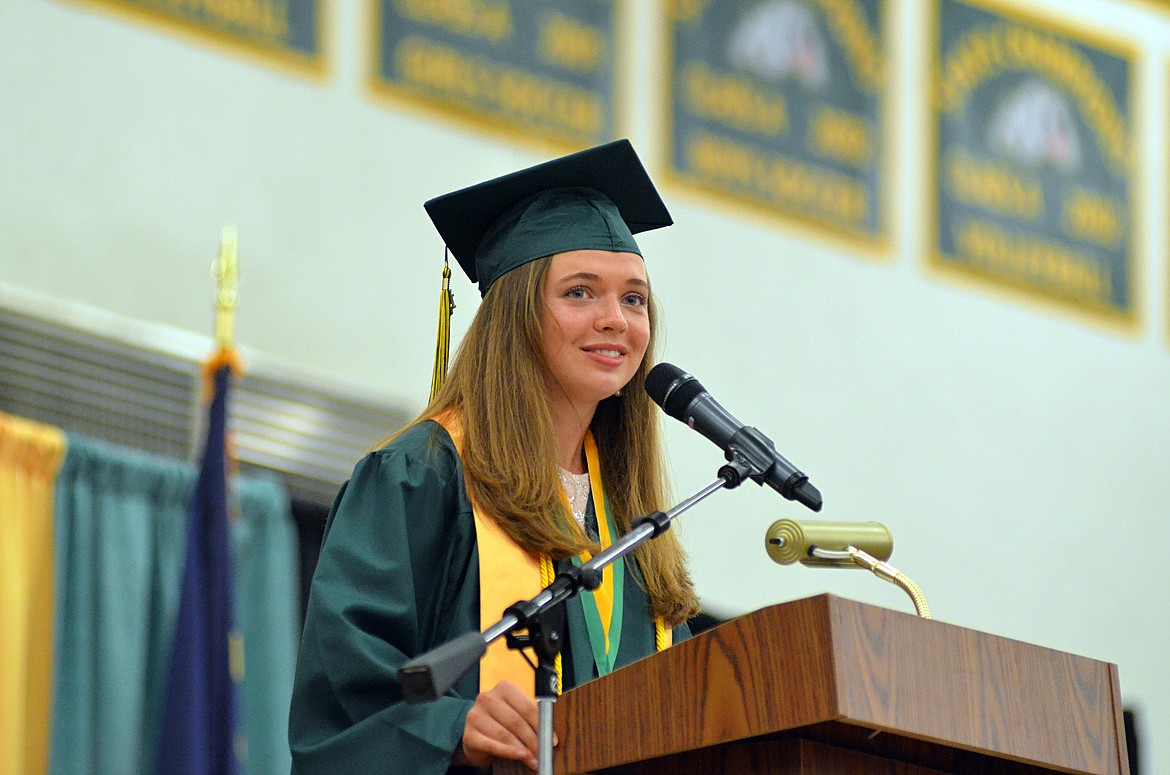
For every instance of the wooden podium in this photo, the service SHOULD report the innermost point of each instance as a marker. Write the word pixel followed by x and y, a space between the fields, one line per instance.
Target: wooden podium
pixel 826 685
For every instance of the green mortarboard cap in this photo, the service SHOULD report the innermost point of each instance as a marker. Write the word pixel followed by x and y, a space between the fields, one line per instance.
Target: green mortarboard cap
pixel 596 199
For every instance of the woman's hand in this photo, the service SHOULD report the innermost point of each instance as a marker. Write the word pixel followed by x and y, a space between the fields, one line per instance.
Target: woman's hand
pixel 502 724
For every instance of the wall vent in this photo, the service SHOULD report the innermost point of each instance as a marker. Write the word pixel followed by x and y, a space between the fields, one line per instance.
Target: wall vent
pixel 96 385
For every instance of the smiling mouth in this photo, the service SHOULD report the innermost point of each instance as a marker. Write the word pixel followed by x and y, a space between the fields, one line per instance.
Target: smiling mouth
pixel 607 353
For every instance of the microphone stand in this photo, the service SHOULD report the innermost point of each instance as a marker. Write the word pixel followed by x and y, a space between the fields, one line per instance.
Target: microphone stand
pixel 545 637
pixel 432 674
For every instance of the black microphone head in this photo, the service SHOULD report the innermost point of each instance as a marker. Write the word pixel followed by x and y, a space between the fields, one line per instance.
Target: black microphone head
pixel 673 389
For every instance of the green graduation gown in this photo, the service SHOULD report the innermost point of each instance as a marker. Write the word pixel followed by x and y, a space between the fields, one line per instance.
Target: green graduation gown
pixel 398 575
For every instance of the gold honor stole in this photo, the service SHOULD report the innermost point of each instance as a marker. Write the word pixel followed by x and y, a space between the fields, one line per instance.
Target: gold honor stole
pixel 508 573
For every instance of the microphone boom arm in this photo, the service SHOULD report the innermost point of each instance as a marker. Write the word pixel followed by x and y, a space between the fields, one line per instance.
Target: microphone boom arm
pixel 432 674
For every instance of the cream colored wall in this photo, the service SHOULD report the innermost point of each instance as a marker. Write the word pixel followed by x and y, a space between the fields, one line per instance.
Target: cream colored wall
pixel 1018 454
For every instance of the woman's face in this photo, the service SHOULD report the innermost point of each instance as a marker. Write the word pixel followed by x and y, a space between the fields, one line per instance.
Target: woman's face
pixel 596 324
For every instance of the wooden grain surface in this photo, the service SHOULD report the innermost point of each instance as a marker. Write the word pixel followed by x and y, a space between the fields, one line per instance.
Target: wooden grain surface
pixel 840 672
pixel 778 757
pixel 958 687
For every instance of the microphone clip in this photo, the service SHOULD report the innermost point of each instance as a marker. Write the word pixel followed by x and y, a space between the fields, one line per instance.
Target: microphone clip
pixel 756 455
pixel 735 471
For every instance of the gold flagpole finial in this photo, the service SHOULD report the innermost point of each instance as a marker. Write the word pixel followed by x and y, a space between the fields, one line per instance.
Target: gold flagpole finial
pixel 226 272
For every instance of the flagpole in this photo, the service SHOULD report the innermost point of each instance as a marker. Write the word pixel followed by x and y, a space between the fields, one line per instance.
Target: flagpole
pixel 200 730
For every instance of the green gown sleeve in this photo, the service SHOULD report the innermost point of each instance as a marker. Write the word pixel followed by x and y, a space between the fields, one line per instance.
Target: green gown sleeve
pixel 398 574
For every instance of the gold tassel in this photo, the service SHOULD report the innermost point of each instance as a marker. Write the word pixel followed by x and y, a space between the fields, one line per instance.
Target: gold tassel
pixel 547 576
pixel 443 341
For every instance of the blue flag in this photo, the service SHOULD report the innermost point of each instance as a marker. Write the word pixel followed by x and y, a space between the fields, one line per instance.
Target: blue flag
pixel 200 715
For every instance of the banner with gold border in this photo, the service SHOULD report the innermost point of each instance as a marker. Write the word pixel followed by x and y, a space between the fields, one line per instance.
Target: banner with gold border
pixel 1034 158
pixel 1154 5
pixel 288 33
pixel 535 68
pixel 779 105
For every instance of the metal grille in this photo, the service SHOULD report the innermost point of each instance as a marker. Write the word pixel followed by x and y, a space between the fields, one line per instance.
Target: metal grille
pixel 149 400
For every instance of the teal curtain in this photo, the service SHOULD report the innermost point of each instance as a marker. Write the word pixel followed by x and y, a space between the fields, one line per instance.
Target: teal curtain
pixel 120 522
pixel 267 587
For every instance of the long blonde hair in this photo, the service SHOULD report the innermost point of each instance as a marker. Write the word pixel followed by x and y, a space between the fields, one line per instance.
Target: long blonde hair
pixel 496 383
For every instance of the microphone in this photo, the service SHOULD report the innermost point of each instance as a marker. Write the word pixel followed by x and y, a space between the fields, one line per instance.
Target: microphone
pixel 826 544
pixel 682 397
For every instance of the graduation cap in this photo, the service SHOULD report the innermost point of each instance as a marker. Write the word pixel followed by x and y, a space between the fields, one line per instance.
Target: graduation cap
pixel 596 199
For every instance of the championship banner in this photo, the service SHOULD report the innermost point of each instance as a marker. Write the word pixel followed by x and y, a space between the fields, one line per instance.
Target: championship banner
pixel 542 68
pixel 779 104
pixel 287 32
pixel 1034 159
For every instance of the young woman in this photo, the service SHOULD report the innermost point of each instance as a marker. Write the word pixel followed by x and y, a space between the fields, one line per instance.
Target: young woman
pixel 540 447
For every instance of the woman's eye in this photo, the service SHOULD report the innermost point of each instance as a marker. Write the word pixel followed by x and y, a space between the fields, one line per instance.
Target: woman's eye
pixel 635 299
pixel 576 292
